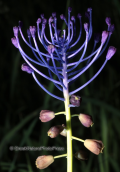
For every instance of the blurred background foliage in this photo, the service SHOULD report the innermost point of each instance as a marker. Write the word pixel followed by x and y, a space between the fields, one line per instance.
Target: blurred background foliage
pixel 21 99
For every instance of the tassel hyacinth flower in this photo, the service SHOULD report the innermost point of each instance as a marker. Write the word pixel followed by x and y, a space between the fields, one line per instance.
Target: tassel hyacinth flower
pixel 58 60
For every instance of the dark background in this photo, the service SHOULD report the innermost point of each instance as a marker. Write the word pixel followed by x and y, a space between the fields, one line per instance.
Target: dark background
pixel 21 99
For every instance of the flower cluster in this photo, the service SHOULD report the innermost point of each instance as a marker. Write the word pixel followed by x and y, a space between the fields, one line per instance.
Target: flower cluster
pixel 58 50
pixel 57 60
pixel 95 146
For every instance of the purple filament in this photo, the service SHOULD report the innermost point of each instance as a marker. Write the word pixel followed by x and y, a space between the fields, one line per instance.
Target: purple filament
pixel 61 55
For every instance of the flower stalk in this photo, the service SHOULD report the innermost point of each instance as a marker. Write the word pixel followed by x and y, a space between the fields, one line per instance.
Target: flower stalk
pixel 60 156
pixel 68 117
pixel 76 138
pixel 69 135
pixel 59 113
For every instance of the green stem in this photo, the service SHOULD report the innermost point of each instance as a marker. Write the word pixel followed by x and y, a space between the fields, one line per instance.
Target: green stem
pixel 60 113
pixel 68 116
pixel 74 115
pixel 65 114
pixel 69 136
pixel 59 156
pixel 76 138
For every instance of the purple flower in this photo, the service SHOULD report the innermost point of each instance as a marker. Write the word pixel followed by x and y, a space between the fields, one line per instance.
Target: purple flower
pixel 51 48
pixel 111 52
pixel 59 50
pixel 14 42
pixel 25 67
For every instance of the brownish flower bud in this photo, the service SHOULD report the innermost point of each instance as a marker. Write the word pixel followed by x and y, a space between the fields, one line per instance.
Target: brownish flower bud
pixel 81 155
pixel 64 131
pixel 55 131
pixel 75 100
pixel 46 115
pixel 86 120
pixel 95 146
pixel 44 161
